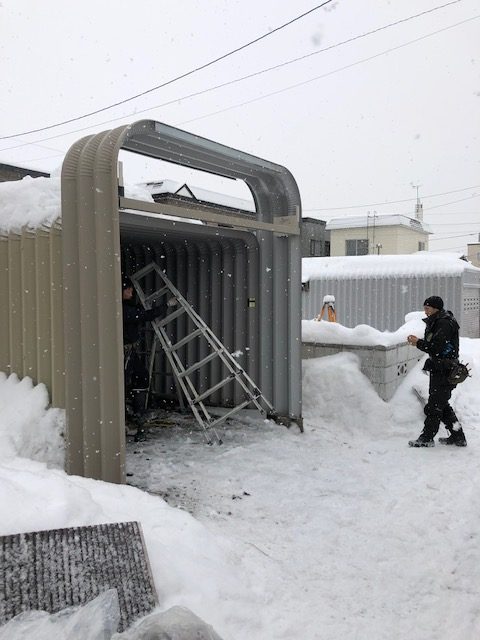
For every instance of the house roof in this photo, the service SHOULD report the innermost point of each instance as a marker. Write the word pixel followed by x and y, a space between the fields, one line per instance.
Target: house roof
pixel 384 220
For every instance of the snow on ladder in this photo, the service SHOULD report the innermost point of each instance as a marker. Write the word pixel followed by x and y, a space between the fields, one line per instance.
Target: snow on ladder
pixel 182 372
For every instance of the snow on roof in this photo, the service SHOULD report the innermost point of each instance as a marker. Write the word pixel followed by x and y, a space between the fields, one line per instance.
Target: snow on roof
pixel 31 202
pixel 414 264
pixel 36 202
pixel 188 190
pixel 387 220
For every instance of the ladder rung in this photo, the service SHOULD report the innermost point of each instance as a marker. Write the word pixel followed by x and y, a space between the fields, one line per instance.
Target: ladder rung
pixel 191 336
pixel 170 317
pixel 215 387
pixel 143 272
pixel 198 364
pixel 157 294
pixel 224 416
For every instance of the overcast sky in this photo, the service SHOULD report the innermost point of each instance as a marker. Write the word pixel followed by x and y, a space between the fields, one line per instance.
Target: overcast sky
pixel 370 118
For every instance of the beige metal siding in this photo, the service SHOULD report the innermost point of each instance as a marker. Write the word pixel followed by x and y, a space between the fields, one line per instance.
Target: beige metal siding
pixel 31 316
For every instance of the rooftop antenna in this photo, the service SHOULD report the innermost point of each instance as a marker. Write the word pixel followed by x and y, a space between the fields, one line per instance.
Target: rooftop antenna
pixel 418 205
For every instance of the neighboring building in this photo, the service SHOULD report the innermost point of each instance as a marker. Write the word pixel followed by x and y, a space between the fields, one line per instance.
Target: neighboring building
pixel 9 172
pixel 172 191
pixel 473 252
pixel 315 240
pixel 380 290
pixel 378 234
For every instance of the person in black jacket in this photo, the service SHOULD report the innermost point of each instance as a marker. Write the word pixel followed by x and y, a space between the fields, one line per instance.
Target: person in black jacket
pixel 135 373
pixel 441 343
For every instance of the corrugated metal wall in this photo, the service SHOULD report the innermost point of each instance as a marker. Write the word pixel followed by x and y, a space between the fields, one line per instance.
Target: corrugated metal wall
pixel 383 302
pixel 218 277
pixel 31 314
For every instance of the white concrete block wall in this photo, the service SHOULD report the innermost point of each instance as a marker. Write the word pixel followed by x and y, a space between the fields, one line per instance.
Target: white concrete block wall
pixel 385 367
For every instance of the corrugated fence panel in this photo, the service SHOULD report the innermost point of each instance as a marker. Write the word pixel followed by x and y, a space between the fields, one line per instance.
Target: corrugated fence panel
pixel 32 314
pixel 4 307
pixel 57 347
pixel 15 289
pixel 28 296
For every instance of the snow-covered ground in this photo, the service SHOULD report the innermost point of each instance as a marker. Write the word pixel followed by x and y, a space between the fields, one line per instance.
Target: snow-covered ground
pixel 338 532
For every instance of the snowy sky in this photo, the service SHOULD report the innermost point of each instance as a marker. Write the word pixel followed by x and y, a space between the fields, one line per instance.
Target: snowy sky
pixel 369 118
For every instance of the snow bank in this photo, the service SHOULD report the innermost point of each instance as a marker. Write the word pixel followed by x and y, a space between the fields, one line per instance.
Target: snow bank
pixel 27 426
pixel 191 566
pixel 334 333
pixel 417 264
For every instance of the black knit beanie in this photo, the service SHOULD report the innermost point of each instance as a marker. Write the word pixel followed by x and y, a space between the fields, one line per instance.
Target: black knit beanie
pixel 434 301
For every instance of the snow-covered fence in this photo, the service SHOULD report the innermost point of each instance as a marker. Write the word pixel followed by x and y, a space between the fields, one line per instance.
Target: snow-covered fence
pixel 31 311
pixel 380 290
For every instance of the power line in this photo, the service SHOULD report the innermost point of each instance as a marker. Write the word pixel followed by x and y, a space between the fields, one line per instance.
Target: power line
pixel 445 204
pixel 172 80
pixel 377 204
pixel 461 235
pixel 325 75
pixel 230 82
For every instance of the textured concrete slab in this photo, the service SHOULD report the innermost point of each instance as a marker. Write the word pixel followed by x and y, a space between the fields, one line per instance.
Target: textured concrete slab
pixel 52 570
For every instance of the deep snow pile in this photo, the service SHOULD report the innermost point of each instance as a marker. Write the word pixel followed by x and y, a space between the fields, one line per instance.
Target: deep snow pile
pixel 339 532
pixel 335 333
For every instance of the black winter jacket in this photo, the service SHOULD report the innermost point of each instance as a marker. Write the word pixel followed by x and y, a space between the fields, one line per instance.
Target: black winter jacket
pixel 441 340
pixel 134 316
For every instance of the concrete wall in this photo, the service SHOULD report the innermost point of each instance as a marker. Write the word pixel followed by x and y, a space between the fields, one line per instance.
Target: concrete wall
pixel 385 367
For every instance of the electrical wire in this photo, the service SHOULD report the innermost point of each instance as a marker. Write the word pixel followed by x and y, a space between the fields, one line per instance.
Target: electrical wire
pixel 172 80
pixel 461 235
pixel 176 100
pixel 325 75
pixel 377 204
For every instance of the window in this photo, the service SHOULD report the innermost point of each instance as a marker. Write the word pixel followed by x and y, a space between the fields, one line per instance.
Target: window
pixel 356 247
pixel 421 246
pixel 316 248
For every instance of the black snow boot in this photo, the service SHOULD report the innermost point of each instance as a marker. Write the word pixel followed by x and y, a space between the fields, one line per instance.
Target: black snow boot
pixel 456 438
pixel 422 441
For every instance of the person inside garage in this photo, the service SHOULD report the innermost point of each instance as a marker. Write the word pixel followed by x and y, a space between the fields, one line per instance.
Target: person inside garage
pixel 135 372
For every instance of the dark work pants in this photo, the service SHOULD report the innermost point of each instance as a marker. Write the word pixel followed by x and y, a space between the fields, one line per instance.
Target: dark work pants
pixel 437 408
pixel 136 382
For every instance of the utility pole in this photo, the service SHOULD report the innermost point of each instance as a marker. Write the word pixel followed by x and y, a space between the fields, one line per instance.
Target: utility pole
pixel 374 216
pixel 419 205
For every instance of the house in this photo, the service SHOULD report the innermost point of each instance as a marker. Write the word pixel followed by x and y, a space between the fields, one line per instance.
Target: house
pixel 314 239
pixel 473 252
pixel 392 234
pixel 9 172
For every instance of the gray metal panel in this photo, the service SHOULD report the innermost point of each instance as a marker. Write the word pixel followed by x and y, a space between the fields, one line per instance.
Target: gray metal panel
pixel 276 196
pixel 382 302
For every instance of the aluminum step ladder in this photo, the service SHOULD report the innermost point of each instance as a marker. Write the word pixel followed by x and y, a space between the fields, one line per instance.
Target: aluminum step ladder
pixel 182 372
